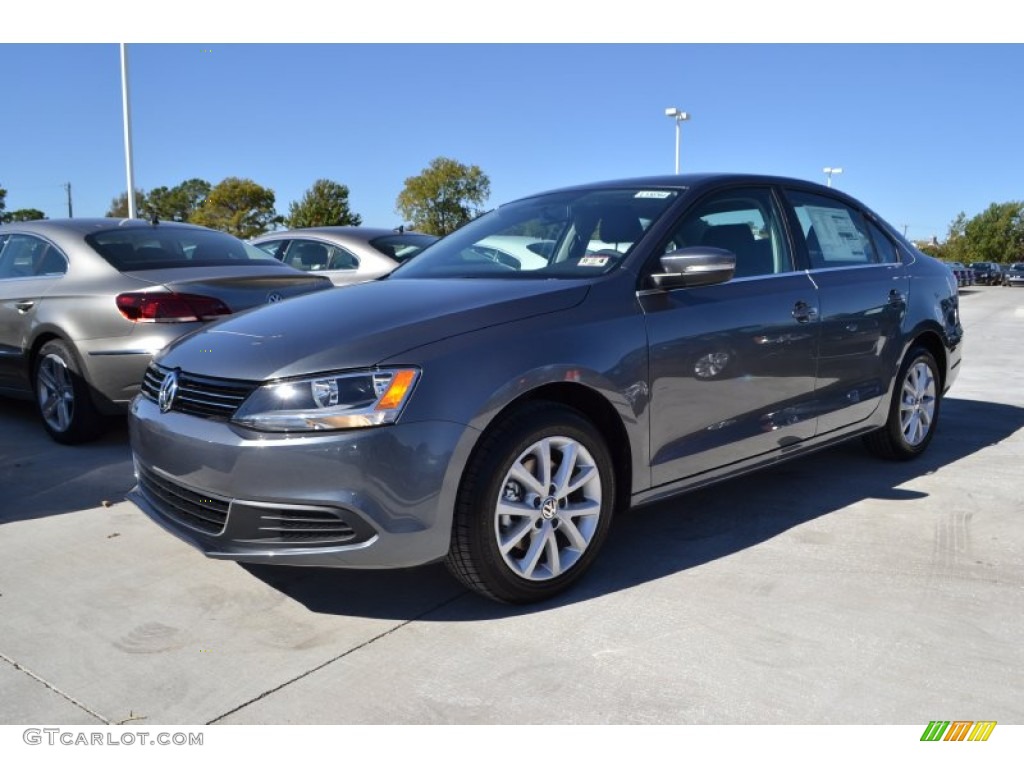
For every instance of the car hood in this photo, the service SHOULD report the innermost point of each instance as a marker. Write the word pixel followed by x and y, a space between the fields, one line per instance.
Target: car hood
pixel 361 325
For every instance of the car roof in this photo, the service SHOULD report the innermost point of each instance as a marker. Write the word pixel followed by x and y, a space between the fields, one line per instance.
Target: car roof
pixel 697 181
pixel 360 233
pixel 87 226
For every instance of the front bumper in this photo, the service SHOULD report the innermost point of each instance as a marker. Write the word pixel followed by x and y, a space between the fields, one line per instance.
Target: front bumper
pixel 371 498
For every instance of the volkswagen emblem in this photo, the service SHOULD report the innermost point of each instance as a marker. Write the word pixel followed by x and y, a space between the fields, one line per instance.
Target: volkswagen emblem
pixel 273 298
pixel 168 391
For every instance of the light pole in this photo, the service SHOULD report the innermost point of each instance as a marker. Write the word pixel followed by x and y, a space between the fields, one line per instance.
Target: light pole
pixel 679 118
pixel 828 175
pixel 126 110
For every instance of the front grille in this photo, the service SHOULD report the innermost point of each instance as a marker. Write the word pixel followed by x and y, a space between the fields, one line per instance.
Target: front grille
pixel 304 525
pixel 203 396
pixel 196 510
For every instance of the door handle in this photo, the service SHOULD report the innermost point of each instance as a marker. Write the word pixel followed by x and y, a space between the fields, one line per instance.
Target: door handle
pixel 804 312
pixel 897 297
pixel 24 305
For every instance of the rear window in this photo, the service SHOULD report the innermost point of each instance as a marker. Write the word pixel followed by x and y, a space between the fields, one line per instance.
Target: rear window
pixel 131 250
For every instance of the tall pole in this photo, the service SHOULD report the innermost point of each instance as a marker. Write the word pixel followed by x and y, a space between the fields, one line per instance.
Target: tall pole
pixel 679 117
pixel 127 131
pixel 67 188
pixel 828 174
pixel 677 146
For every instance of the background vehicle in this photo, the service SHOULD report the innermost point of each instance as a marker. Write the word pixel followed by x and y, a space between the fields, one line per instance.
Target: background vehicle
pixel 344 254
pixel 964 276
pixel 1015 274
pixel 496 417
pixel 988 273
pixel 84 304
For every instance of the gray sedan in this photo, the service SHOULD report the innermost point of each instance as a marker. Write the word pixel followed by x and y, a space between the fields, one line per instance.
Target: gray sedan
pixel 346 255
pixel 497 415
pixel 85 303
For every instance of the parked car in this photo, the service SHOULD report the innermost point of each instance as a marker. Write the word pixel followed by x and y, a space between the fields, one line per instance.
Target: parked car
pixel 988 273
pixel 1015 274
pixel 497 418
pixel 346 255
pixel 964 276
pixel 84 304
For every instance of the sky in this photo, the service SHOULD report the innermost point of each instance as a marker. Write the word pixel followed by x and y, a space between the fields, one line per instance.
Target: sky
pixel 922 130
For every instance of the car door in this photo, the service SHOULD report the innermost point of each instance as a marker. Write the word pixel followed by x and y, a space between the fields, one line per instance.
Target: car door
pixel 733 365
pixel 862 288
pixel 29 268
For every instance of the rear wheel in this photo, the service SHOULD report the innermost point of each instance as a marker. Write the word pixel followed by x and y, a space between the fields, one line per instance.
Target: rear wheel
pixel 914 411
pixel 62 395
pixel 534 506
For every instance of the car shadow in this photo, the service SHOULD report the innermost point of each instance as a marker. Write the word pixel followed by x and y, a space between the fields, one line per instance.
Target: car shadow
pixel 670 536
pixel 39 477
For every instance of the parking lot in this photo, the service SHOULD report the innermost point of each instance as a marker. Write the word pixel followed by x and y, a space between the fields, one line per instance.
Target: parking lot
pixel 836 590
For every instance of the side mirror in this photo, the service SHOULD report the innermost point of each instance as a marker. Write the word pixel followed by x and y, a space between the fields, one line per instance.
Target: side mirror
pixel 694 266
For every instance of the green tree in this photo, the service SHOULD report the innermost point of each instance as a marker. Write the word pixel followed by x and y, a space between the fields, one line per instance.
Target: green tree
pixel 997 233
pixel 325 204
pixel 23 214
pixel 119 205
pixel 3 200
pixel 238 206
pixel 178 203
pixel 444 197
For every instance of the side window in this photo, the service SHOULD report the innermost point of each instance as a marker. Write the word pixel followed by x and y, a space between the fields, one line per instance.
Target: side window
pixel 342 259
pixel 307 255
pixel 835 234
pixel 274 247
pixel 744 221
pixel 884 248
pixel 28 256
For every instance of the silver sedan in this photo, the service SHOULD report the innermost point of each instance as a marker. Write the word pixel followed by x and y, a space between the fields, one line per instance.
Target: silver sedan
pixel 85 303
pixel 344 254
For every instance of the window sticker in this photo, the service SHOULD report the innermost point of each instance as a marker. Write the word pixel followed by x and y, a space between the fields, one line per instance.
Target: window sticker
pixel 837 235
pixel 593 261
pixel 655 193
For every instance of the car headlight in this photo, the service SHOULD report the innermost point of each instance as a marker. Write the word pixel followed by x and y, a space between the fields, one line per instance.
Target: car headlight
pixel 329 401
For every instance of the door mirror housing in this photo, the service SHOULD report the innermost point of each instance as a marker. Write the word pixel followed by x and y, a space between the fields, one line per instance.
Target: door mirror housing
pixel 694 266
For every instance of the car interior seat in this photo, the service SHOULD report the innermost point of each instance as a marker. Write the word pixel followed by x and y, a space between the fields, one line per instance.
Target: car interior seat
pixel 753 257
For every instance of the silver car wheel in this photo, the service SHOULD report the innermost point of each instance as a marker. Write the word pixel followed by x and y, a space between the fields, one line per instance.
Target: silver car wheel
pixel 917 403
pixel 56 393
pixel 549 508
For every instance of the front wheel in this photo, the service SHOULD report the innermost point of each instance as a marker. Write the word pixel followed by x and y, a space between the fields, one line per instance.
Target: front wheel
pixel 534 506
pixel 914 411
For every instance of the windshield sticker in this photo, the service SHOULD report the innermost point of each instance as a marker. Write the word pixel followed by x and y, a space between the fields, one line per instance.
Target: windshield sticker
pixel 657 194
pixel 593 261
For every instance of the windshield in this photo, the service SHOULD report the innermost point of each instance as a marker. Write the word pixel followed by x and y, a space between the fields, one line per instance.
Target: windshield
pixel 156 247
pixel 580 233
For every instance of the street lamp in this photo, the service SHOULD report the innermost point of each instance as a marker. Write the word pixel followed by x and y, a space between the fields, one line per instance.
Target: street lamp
pixel 828 175
pixel 679 117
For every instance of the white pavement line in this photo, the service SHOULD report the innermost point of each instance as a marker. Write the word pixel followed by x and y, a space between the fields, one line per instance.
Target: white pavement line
pixel 349 652
pixel 54 688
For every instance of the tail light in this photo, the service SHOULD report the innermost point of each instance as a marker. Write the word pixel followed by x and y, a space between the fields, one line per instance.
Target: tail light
pixel 169 307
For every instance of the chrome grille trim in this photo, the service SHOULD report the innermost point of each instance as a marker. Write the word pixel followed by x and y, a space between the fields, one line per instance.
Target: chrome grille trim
pixel 203 396
pixel 307 525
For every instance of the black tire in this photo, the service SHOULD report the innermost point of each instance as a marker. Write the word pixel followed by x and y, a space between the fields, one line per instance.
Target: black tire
pixel 914 410
pixel 62 396
pixel 565 528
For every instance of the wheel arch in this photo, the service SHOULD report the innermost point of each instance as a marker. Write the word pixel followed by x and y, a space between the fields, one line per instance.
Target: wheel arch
pixel 598 410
